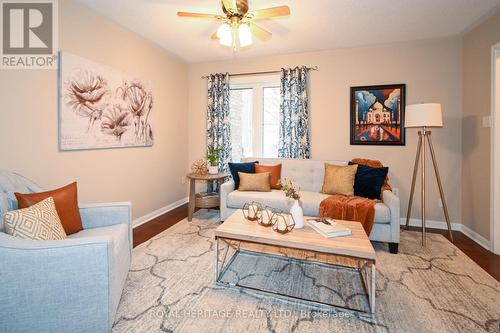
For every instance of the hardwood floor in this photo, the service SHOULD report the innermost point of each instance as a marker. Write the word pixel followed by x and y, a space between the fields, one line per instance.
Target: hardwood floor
pixel 484 258
pixel 146 231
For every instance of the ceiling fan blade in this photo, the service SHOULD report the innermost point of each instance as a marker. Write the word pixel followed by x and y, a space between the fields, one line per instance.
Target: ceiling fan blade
pixel 230 5
pixel 266 13
pixel 199 15
pixel 260 32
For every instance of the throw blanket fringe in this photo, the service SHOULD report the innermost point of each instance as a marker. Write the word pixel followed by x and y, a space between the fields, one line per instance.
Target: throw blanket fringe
pixel 357 209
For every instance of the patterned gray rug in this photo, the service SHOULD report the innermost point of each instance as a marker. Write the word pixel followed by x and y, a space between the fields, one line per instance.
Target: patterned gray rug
pixel 170 288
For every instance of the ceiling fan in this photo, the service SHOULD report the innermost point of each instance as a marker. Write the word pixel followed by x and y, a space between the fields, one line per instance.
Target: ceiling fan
pixel 238 23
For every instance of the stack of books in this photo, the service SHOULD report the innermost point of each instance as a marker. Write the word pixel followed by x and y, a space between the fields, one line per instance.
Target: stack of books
pixel 329 227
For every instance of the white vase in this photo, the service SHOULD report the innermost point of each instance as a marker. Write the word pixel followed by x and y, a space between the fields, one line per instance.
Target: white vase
pixel 298 215
pixel 213 169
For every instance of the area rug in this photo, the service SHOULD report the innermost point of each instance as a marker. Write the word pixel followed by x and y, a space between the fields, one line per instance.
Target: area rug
pixel 170 288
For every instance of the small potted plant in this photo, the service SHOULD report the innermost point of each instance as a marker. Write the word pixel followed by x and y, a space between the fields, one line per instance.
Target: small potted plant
pixel 288 187
pixel 213 158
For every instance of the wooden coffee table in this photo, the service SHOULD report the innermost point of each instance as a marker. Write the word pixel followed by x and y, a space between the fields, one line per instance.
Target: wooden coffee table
pixel 356 252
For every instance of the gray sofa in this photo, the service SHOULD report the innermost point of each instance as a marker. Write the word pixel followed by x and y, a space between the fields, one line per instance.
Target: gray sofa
pixel 70 285
pixel 308 175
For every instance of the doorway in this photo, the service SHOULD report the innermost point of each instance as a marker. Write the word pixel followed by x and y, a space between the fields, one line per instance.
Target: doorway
pixel 495 149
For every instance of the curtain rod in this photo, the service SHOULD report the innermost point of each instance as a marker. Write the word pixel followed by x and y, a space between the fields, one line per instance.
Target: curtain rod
pixel 315 68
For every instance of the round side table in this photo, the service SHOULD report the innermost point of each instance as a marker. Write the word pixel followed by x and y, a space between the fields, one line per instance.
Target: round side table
pixel 204 199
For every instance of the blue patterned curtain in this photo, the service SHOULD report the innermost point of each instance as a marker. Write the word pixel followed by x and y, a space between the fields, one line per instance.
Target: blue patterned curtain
pixel 218 120
pixel 294 114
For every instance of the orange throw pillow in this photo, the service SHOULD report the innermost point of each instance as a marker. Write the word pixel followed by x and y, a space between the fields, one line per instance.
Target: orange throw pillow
pixel 274 171
pixel 66 201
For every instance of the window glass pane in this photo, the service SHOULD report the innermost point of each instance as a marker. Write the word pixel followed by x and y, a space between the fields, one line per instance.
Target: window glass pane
pixel 241 122
pixel 271 121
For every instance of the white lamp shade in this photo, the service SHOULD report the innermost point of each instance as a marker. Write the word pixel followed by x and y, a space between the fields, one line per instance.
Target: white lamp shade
pixel 424 115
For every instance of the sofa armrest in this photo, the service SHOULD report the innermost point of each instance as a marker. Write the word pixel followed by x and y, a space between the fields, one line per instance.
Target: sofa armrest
pixel 62 285
pixel 392 201
pixel 225 189
pixel 106 214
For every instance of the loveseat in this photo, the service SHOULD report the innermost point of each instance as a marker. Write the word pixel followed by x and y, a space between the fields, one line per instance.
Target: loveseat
pixel 70 285
pixel 308 176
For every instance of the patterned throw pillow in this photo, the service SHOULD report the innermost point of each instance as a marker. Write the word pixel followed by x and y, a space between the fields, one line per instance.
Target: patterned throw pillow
pixel 38 222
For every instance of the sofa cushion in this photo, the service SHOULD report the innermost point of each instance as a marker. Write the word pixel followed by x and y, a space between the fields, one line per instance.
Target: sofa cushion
pixel 310 202
pixel 247 167
pixel 274 171
pixel 38 222
pixel 254 182
pixel 121 254
pixel 339 179
pixel 66 200
pixel 374 164
pixel 369 181
pixel 306 174
pixel 274 198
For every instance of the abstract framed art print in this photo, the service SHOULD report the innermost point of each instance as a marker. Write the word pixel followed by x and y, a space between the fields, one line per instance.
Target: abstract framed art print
pixel 102 107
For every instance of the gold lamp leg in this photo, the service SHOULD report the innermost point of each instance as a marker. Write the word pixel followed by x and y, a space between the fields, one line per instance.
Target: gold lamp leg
pixel 415 170
pixel 441 192
pixel 422 161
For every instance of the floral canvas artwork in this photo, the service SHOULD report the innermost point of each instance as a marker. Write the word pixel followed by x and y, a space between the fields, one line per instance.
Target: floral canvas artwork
pixel 101 107
pixel 377 115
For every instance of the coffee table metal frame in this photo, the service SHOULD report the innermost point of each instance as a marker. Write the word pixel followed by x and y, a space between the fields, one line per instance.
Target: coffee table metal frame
pixel 365 267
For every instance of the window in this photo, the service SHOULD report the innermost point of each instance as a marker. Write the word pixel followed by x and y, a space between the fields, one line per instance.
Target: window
pixel 254 108
pixel 270 124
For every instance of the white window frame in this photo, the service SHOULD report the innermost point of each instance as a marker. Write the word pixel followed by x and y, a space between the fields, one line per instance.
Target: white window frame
pixel 257 83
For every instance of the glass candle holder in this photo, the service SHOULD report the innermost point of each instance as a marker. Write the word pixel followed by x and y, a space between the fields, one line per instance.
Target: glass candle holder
pixel 283 222
pixel 252 211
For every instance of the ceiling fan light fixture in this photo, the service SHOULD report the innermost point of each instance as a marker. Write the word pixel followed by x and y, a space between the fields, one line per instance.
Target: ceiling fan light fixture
pixel 225 35
pixel 244 35
pixel 238 26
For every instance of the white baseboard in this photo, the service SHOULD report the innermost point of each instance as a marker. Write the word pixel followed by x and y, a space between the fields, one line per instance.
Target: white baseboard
pixel 454 226
pixel 432 224
pixel 413 222
pixel 476 237
pixel 148 217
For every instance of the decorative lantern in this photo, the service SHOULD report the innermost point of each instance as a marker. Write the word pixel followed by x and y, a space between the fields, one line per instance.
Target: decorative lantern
pixel 283 222
pixel 252 211
pixel 267 217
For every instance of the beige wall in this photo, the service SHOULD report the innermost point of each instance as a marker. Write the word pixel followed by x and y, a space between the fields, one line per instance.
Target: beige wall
pixel 477 45
pixel 432 71
pixel 149 177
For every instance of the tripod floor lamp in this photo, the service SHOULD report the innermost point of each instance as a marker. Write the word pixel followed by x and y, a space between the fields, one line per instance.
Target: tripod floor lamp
pixel 425 115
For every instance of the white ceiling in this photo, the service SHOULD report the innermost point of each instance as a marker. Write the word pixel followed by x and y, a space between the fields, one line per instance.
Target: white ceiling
pixel 313 24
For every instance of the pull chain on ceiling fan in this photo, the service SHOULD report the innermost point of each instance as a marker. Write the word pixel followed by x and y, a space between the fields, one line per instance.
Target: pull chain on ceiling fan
pixel 238 24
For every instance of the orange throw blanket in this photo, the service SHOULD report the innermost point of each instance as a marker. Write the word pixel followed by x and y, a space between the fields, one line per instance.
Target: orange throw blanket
pixel 342 207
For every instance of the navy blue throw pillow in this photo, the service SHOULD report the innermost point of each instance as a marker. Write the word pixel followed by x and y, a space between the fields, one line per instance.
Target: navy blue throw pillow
pixel 368 181
pixel 247 167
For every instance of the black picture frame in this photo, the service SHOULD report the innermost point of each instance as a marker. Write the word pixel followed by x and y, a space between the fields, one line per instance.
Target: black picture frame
pixel 372 121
